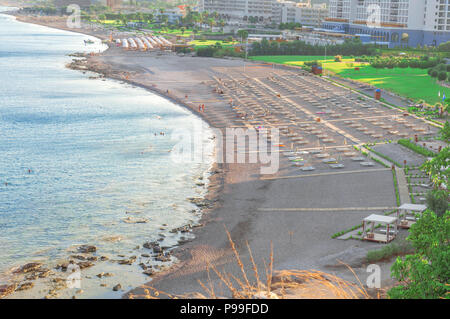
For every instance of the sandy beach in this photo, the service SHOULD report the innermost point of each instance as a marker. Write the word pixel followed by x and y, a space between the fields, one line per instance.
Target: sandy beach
pixel 301 240
pixel 295 213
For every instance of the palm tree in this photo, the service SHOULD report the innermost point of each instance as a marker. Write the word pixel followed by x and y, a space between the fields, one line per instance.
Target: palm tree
pixel 221 23
pixel 243 34
pixel 211 23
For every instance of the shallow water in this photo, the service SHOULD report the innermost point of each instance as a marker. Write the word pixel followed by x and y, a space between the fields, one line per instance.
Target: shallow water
pixel 78 156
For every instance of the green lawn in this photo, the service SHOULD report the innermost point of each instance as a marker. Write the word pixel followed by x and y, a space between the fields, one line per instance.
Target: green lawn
pixel 292 59
pixel 412 83
pixel 205 43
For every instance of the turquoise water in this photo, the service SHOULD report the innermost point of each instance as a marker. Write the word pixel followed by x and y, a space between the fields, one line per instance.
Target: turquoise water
pixel 78 156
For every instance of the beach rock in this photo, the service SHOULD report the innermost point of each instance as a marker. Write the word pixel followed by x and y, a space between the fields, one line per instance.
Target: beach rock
pixel 145 255
pixel 130 220
pixel 58 280
pixel 85 264
pixel 200 202
pixel 154 246
pixel 92 258
pixel 28 268
pixel 79 257
pixel 162 258
pixel 104 258
pixel 87 249
pixel 44 273
pixel 32 276
pixel 117 287
pixel 25 286
pixel 149 272
pixel 63 266
pixel 128 261
pixel 7 289
pixel 143 266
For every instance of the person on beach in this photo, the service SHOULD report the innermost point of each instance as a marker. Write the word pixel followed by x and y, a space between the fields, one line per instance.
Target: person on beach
pixel 199 107
pixel 203 108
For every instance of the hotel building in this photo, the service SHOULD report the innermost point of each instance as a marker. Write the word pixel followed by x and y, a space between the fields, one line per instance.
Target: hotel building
pixel 397 23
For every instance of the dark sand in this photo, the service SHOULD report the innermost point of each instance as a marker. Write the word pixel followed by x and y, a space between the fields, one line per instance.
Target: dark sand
pixel 301 239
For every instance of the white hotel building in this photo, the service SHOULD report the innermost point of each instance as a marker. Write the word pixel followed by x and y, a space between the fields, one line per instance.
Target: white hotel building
pixel 267 11
pixel 394 22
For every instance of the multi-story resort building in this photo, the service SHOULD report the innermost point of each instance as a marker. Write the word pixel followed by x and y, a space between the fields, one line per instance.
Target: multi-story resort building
pixel 393 22
pixel 267 11
pixel 304 13
pixel 240 9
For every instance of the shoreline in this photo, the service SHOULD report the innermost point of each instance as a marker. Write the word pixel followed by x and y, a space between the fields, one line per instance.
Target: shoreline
pixel 213 173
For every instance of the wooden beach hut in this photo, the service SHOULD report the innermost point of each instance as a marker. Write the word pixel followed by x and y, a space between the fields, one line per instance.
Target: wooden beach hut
pixel 384 233
pixel 407 214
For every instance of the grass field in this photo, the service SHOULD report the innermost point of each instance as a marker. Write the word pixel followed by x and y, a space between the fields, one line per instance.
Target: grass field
pixel 205 43
pixel 412 83
pixel 293 59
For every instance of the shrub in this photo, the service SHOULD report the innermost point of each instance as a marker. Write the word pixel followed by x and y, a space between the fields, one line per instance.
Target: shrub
pixel 434 73
pixel 442 76
pixel 389 251
pixel 416 148
pixel 444 132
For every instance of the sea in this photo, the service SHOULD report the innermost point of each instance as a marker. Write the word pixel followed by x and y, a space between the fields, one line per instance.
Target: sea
pixel 85 160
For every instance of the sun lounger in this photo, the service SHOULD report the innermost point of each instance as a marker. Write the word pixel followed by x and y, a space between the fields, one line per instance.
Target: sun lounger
pixel 337 166
pixel 367 164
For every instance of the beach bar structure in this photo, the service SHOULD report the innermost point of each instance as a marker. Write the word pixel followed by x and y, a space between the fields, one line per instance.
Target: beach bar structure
pixel 407 214
pixel 383 234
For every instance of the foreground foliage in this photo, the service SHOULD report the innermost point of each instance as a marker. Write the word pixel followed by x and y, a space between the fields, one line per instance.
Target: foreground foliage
pixel 425 274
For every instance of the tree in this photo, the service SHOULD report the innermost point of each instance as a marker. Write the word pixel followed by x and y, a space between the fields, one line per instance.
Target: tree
pixel 243 34
pixel 445 132
pixel 438 168
pixel 444 47
pixel 182 29
pixel 442 76
pixel 437 201
pixel 425 274
pixel 195 31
